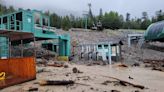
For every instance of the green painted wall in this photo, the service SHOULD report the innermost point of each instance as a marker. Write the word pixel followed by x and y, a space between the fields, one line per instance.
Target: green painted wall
pixel 4 52
pixel 64 45
pixel 34 22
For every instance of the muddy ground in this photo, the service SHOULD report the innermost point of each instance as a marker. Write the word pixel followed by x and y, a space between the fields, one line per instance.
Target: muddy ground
pixel 95 78
pixel 145 67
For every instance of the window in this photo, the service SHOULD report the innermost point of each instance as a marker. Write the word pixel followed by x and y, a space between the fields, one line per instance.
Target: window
pixel 99 46
pixel 37 18
pixel 113 50
pixel 12 18
pixel 4 20
pixel 19 16
pixel 45 21
pixel 19 21
pixel 106 46
pixel 12 22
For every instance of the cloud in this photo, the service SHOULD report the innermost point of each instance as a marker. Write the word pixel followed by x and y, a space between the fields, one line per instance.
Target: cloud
pixel 134 7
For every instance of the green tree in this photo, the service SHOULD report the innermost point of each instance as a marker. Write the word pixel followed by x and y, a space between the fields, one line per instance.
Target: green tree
pixel 146 22
pixel 112 20
pixel 11 9
pixel 55 20
pixel 79 22
pixel 72 21
pixel 160 15
pixel 66 24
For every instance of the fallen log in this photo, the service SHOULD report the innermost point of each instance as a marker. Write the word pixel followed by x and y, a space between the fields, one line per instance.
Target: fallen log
pixel 115 91
pixel 32 89
pixel 43 83
pixel 83 84
pixel 122 65
pixel 56 65
pixel 55 82
pixel 122 81
pixel 157 69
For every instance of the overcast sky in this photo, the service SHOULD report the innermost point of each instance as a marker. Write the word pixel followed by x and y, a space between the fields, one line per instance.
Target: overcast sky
pixel 134 7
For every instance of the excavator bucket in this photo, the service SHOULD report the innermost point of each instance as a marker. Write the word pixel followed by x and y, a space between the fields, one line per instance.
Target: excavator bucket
pixel 16 70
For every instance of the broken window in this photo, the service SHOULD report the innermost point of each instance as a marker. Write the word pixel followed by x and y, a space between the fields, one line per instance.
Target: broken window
pixel 19 21
pixel 55 48
pixel 37 18
pixel 99 46
pixel 4 20
pixel 12 18
pixel 12 22
pixel 19 16
pixel 106 46
pixel 45 21
pixel 113 50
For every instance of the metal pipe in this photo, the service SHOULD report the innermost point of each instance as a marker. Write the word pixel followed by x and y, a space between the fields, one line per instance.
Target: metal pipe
pixel 129 41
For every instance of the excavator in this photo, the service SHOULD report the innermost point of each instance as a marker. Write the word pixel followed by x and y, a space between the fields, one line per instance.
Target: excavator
pixel 96 25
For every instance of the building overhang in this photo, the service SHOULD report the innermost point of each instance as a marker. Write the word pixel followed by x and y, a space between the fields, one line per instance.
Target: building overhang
pixel 16 35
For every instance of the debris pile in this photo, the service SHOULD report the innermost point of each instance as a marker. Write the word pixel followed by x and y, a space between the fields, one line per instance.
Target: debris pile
pixel 29 51
pixel 56 82
pixel 154 64
pixel 75 70
pixel 122 83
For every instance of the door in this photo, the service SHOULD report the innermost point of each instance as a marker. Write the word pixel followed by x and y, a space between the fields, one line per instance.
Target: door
pixel 28 24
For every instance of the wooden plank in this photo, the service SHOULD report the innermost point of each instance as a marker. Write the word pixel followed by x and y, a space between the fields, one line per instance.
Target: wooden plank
pixel 23 68
pixel 4 65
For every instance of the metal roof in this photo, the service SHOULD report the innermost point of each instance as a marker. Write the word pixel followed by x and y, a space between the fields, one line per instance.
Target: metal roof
pixel 155 32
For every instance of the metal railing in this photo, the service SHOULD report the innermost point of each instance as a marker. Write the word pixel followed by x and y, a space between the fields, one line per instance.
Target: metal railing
pixel 12 25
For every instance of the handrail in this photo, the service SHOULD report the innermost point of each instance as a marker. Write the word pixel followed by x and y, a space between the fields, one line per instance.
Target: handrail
pixel 18 24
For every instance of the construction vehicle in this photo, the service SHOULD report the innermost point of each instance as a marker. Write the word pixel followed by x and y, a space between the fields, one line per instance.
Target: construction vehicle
pixel 18 29
pixel 96 25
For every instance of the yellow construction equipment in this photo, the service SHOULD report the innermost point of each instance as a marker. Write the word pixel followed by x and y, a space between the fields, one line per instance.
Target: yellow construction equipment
pixel 62 58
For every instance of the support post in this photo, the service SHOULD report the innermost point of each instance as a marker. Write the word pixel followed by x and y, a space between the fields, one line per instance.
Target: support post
pixel 109 54
pixel 82 52
pixel 15 22
pixel 116 53
pixel 129 41
pixel 120 54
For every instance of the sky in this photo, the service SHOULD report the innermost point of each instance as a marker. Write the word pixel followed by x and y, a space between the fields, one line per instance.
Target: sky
pixel 77 7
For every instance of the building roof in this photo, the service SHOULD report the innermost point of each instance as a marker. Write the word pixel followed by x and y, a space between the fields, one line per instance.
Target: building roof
pixel 155 32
